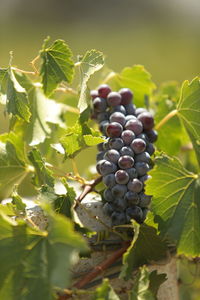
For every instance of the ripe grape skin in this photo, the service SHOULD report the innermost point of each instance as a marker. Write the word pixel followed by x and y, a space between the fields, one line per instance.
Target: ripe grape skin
pixel 120 204
pixel 99 163
pixel 130 109
pixel 152 135
pixel 114 99
pixel 127 136
pixel 118 218
pixel 144 137
pixel 144 156
pixel 147 120
pixel 135 185
pixel 134 125
pixel 132 173
pixel 114 129
pixel 121 177
pixel 119 190
pixel 118 117
pixel 139 110
pixel 142 168
pixel 125 162
pixel 134 213
pixel 150 149
pixel 99 104
pixel 116 143
pixel 132 198
pixel 126 151
pixel 145 178
pixel 126 95
pixel 130 117
pixel 108 196
pixel 103 116
pixel 108 209
pixel 94 94
pixel 104 90
pixel 109 180
pixel 112 155
pixel 118 108
pixel 144 200
pixel 138 145
pixel 107 167
pixel 103 126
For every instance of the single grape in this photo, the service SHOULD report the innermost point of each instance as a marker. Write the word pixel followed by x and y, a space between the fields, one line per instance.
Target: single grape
pixel 103 126
pixel 114 99
pixel 121 177
pixel 108 209
pixel 118 117
pixel 134 213
pixel 145 200
pixel 116 143
pixel 107 167
pixel 132 198
pixel 138 145
pixel 103 116
pixel 132 173
pixel 140 110
pixel 120 204
pixel 134 125
pixel 152 135
pixel 119 190
pixel 108 196
pixel 104 90
pixel 145 178
pixel 144 156
pixel 109 180
pixel 127 136
pixel 99 104
pixel 94 94
pixel 142 168
pixel 130 109
pixel 144 137
pixel 126 151
pixel 130 117
pixel 100 147
pixel 112 155
pixel 114 129
pixel 147 120
pixel 118 218
pixel 126 95
pixel 135 185
pixel 150 149
pixel 100 155
pixel 118 108
pixel 125 162
pixel 99 164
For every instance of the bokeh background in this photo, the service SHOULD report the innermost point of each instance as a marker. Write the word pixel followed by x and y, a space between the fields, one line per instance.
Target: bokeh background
pixel 164 36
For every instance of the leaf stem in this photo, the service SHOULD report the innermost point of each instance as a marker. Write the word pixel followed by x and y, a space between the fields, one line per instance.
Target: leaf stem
pixel 22 71
pixel 33 64
pixel 75 168
pixel 67 90
pixel 166 118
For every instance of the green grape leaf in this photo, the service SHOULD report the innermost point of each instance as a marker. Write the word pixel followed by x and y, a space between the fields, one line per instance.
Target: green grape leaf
pixel 105 292
pixel 91 62
pixel 57 65
pixel 3 80
pixel 189 112
pixel 135 78
pixel 18 204
pixel 146 285
pixel 42 175
pixel 176 203
pixel 78 138
pixel 34 262
pixel 13 167
pixel 146 247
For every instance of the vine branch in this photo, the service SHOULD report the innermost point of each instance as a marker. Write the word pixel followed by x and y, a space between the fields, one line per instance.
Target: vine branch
pixel 166 118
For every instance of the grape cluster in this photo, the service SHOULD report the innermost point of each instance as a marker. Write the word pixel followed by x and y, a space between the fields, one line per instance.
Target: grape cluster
pixel 125 158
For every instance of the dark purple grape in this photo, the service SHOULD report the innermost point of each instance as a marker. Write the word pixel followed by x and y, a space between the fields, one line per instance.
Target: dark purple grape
pixel 107 167
pixel 114 99
pixel 143 136
pixel 147 120
pixel 132 173
pixel 103 116
pixel 114 129
pixel 132 198
pixel 152 135
pixel 108 196
pixel 98 165
pixel 119 190
pixel 100 155
pixel 103 126
pixel 145 200
pixel 118 117
pixel 150 149
pixel 118 218
pixel 145 178
pixel 99 104
pixel 109 180
pixel 125 162
pixel 135 185
pixel 116 143
pixel 104 90
pixel 126 151
pixel 140 110
pixel 144 156
pixel 118 108
pixel 112 155
pixel 127 136
pixel 130 109
pixel 142 168
pixel 100 147
pixel 130 117
pixel 126 95
pixel 134 213
pixel 138 146
pixel 108 209
pixel 120 204
pixel 145 211
pixel 134 125
pixel 94 94
pixel 121 177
